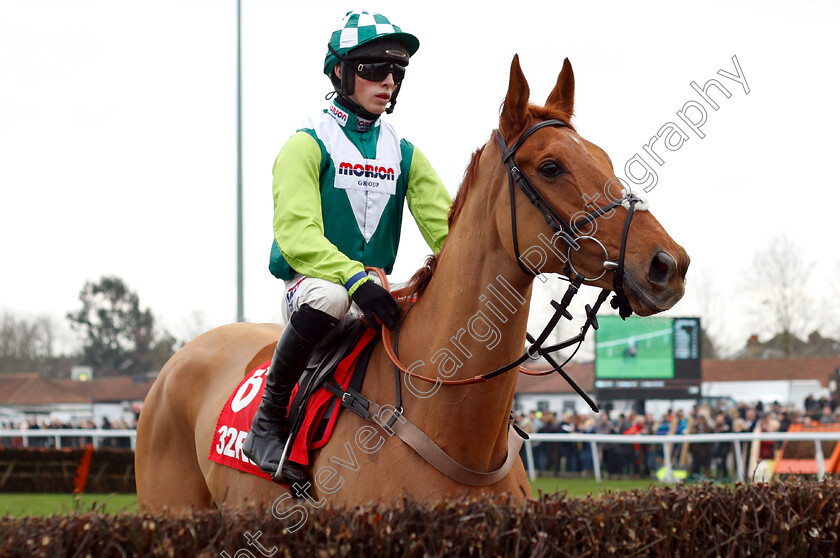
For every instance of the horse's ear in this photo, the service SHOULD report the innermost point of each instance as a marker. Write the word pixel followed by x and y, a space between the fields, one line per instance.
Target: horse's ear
pixel 515 107
pixel 562 97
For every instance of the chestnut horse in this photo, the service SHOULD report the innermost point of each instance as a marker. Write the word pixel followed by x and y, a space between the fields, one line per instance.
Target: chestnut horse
pixel 475 293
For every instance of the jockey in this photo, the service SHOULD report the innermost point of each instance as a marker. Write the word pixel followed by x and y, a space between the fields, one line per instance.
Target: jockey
pixel 339 186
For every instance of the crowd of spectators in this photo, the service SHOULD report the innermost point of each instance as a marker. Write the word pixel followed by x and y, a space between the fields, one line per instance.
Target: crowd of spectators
pixel 69 441
pixel 711 460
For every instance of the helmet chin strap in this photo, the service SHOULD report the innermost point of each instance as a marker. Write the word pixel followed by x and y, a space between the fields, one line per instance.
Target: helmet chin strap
pixel 356 108
pixel 390 108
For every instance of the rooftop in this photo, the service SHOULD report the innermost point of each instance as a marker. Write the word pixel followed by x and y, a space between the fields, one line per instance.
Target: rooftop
pixel 746 370
pixel 32 389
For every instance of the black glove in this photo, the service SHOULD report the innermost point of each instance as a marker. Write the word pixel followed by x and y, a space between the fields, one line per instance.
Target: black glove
pixel 377 302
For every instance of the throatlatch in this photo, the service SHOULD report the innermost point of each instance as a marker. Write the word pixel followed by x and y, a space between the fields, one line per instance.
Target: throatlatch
pixel 568 232
pixel 413 436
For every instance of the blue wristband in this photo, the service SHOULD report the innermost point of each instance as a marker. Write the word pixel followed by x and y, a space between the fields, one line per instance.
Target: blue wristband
pixel 355 279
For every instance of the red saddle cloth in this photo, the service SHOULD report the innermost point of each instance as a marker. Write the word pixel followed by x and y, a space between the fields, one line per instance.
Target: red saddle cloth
pixel 236 416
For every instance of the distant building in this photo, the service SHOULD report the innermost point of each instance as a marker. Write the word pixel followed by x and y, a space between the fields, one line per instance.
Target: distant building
pixel 788 381
pixel 552 392
pixel 786 345
pixel 34 397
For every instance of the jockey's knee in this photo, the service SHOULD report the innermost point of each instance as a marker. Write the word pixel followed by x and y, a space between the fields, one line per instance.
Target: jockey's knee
pixel 327 297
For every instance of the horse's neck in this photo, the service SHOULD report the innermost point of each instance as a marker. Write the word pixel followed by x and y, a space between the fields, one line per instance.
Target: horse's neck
pixel 471 320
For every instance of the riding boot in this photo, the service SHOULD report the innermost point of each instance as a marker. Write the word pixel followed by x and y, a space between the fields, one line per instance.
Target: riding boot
pixel 265 442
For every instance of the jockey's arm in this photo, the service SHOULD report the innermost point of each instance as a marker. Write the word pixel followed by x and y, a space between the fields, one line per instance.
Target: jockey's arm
pixel 298 221
pixel 428 201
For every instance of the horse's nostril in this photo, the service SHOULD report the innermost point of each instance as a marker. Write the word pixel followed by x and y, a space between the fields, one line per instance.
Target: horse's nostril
pixel 662 266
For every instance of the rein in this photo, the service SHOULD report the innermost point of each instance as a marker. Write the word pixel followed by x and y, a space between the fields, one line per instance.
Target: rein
pixel 415 437
pixel 570 234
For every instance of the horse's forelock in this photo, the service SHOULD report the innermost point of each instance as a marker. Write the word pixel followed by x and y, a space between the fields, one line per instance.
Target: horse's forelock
pixel 546 113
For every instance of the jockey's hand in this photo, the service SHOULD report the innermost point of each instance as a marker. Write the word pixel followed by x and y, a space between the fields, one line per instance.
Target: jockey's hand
pixel 377 302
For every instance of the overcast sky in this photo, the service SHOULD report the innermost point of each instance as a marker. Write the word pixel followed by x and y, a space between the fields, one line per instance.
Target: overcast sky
pixel 118 133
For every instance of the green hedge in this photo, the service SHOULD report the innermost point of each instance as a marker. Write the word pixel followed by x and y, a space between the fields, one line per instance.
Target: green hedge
pixel 792 518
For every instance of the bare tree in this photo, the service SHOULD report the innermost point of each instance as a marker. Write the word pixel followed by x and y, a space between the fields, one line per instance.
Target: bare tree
pixel 26 345
pixel 831 303
pixel 778 291
pixel 703 298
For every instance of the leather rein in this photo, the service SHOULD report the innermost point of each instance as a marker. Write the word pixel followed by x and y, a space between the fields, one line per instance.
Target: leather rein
pixel 570 234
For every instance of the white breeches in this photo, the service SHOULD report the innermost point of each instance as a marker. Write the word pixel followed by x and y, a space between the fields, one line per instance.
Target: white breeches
pixel 330 298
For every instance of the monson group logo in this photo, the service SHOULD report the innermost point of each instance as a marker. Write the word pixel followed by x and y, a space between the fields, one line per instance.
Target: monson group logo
pixel 338 114
pixel 366 170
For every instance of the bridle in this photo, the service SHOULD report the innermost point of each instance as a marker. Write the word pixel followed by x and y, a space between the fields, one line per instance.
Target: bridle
pixel 570 234
pixel 416 438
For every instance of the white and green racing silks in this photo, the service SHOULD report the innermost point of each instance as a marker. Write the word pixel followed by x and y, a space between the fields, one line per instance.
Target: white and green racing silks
pixel 338 198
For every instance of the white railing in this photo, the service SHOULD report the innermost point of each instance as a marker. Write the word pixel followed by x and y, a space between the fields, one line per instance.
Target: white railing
pixel 58 433
pixel 668 440
pixel 593 439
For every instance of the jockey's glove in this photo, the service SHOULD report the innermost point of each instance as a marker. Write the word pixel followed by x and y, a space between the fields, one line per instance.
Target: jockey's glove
pixel 377 302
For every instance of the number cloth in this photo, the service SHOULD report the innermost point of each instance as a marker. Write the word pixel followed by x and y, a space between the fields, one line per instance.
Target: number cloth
pixel 239 410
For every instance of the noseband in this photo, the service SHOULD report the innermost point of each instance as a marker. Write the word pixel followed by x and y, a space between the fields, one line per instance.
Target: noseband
pixel 570 236
pixel 570 233
pixel 412 435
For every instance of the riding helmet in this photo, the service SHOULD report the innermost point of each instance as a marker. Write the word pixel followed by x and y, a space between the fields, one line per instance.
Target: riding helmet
pixel 370 36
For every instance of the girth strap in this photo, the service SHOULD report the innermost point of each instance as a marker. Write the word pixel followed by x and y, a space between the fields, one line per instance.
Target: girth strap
pixel 440 460
pixel 425 447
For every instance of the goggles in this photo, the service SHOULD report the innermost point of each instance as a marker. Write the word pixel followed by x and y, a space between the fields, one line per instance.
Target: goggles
pixel 378 71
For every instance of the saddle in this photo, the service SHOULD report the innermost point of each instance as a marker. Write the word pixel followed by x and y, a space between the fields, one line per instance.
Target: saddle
pixel 331 380
pixel 313 409
pixel 322 368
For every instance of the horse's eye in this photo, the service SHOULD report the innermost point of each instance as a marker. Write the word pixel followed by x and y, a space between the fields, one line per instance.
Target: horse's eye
pixel 551 169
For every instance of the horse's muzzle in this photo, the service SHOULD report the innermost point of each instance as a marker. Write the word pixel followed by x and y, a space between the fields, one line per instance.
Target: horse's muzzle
pixel 662 284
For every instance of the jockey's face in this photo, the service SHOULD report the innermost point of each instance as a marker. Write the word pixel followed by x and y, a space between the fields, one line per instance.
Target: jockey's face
pixel 373 96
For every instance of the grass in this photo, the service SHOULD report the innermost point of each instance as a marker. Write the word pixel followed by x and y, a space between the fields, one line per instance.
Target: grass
pixel 21 505
pixel 585 487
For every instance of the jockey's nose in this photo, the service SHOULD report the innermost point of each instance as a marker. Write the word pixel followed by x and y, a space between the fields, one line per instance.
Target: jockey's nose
pixel 389 79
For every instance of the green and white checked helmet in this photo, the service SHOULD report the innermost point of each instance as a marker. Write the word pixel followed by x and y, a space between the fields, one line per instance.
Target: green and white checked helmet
pixel 360 28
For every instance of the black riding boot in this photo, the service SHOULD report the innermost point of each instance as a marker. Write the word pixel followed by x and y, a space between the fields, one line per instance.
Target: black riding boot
pixel 264 445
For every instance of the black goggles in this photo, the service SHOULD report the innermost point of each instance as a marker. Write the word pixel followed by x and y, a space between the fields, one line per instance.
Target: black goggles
pixel 378 71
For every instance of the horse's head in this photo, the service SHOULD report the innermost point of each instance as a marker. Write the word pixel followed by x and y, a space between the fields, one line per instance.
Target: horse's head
pixel 575 220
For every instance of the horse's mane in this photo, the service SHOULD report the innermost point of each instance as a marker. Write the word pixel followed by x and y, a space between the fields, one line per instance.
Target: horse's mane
pixel 421 278
pixel 466 185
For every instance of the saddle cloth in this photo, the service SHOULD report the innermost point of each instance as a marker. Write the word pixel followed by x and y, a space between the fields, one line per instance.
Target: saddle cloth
pixel 315 426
